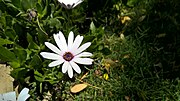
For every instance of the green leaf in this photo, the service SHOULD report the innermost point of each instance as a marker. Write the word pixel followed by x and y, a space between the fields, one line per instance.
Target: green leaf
pixel 32 44
pixel 9 5
pixel 59 75
pixel 2 18
pixel 39 8
pixel 36 61
pixel 29 52
pixel 5 41
pixel 19 29
pixel 16 3
pixel 38 76
pixel 25 4
pixel 32 3
pixel 100 47
pixel 7 0
pixel 93 46
pixel 21 54
pixel 15 64
pixel 10 33
pixel 9 20
pixel 89 38
pixel 54 22
pixel 18 74
pixel 92 27
pixel 44 12
pixel 53 8
pixel 131 3
pixel 52 81
pixel 42 37
pixel 7 55
pixel 29 38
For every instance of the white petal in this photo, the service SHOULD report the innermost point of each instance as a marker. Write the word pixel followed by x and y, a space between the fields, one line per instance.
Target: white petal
pixel 60 41
pixel 70 2
pixel 85 61
pixel 23 98
pixel 82 48
pixel 61 1
pixel 70 40
pixel 55 63
pixel 10 96
pixel 23 95
pixel 66 2
pixel 77 42
pixel 65 67
pixel 70 71
pixel 77 3
pixel 53 48
pixel 51 56
pixel 75 67
pixel 63 40
pixel 84 54
pixel 23 92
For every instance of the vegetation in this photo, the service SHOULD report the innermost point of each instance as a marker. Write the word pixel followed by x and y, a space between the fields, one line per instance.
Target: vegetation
pixel 135 46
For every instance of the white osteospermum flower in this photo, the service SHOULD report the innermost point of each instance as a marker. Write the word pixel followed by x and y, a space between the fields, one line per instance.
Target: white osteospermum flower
pixel 68 53
pixel 69 4
pixel 11 96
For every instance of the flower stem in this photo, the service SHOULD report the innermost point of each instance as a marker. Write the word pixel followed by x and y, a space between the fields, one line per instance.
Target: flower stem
pixel 40 27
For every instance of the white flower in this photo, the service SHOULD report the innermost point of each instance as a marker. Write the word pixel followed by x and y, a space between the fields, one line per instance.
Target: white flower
pixel 69 4
pixel 11 96
pixel 68 53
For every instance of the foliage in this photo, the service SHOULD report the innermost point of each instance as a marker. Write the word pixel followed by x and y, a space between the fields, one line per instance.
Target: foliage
pixel 136 58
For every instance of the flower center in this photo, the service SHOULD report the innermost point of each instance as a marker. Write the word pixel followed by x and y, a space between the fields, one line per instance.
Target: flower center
pixel 68 56
pixel 69 6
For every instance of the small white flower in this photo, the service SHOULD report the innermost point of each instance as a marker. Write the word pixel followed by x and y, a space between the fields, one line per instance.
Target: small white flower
pixel 11 96
pixel 68 53
pixel 69 4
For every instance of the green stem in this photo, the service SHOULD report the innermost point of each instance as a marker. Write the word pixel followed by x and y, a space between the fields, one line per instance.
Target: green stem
pixel 41 27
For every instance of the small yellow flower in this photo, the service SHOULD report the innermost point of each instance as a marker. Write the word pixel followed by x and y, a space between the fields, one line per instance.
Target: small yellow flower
pixel 106 76
pixel 125 19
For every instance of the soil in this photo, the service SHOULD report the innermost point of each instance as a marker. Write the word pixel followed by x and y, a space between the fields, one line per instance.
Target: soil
pixel 6 81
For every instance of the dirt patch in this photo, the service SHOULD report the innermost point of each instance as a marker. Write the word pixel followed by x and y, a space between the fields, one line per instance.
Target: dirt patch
pixel 6 81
